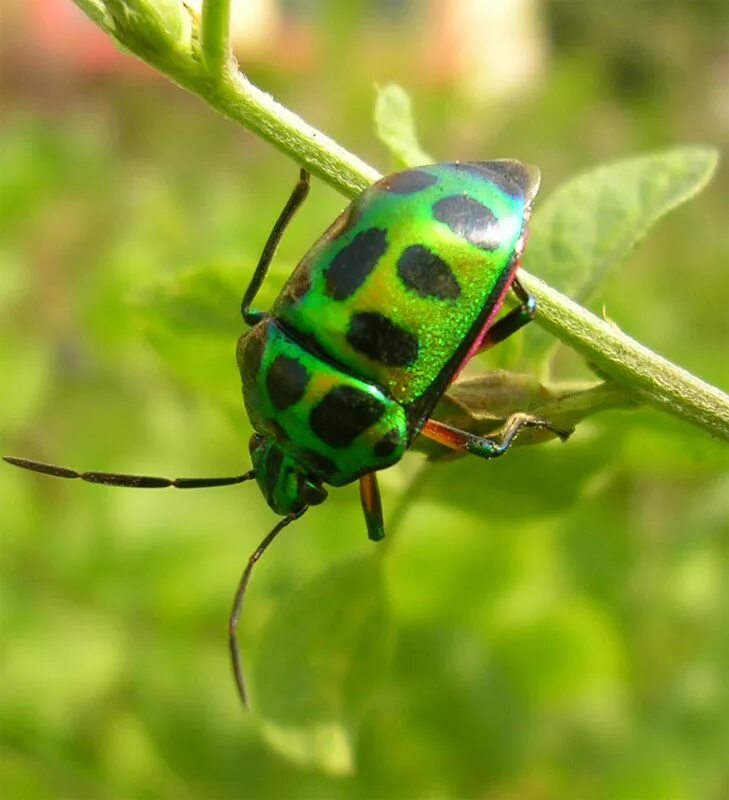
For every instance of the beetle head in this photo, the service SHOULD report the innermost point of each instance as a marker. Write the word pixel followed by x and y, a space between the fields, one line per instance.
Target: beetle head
pixel 285 484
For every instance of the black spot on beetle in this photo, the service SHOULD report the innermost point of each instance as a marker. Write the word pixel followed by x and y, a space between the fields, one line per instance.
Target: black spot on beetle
pixel 350 267
pixel 322 466
pixel 512 177
pixel 343 414
pixel 379 338
pixel 286 381
pixel 468 219
pixel 478 168
pixel 408 182
pixel 427 274
pixel 387 445
pixel 274 460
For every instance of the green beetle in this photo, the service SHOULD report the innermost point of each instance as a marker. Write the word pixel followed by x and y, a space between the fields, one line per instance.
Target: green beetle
pixel 376 321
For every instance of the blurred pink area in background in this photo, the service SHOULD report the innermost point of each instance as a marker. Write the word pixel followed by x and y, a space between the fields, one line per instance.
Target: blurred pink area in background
pixel 55 36
pixel 60 34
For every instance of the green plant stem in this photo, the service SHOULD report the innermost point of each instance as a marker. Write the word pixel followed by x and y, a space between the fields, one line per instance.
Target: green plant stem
pixel 240 100
pixel 636 369
pixel 215 35
pixel 641 373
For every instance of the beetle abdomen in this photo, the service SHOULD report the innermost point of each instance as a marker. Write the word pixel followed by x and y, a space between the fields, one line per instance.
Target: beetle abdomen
pixel 400 285
pixel 336 425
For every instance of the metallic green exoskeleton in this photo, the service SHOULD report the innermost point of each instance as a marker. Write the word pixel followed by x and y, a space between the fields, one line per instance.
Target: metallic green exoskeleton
pixel 375 322
pixel 377 319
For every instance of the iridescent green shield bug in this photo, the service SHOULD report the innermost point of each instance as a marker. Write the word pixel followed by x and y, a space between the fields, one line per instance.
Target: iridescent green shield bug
pixel 376 321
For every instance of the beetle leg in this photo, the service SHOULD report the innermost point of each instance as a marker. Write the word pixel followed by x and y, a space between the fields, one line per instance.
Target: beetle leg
pixel 369 493
pixel 487 446
pixel 252 316
pixel 510 323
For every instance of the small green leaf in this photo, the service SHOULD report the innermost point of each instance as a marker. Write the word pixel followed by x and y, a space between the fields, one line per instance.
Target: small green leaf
pixel 193 322
pixel 481 404
pixel 199 301
pixel 595 219
pixel 395 127
pixel 565 654
pixel 320 658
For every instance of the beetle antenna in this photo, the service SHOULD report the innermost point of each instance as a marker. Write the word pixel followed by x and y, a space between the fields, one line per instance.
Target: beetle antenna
pixel 235 614
pixel 119 479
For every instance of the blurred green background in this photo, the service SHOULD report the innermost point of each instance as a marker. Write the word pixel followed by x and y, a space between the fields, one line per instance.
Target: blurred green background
pixel 555 622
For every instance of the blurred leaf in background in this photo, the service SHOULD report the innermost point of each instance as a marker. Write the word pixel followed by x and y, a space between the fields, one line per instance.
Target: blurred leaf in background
pixel 549 625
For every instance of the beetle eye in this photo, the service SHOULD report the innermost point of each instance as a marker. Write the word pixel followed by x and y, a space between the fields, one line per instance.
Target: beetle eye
pixel 255 442
pixel 313 494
